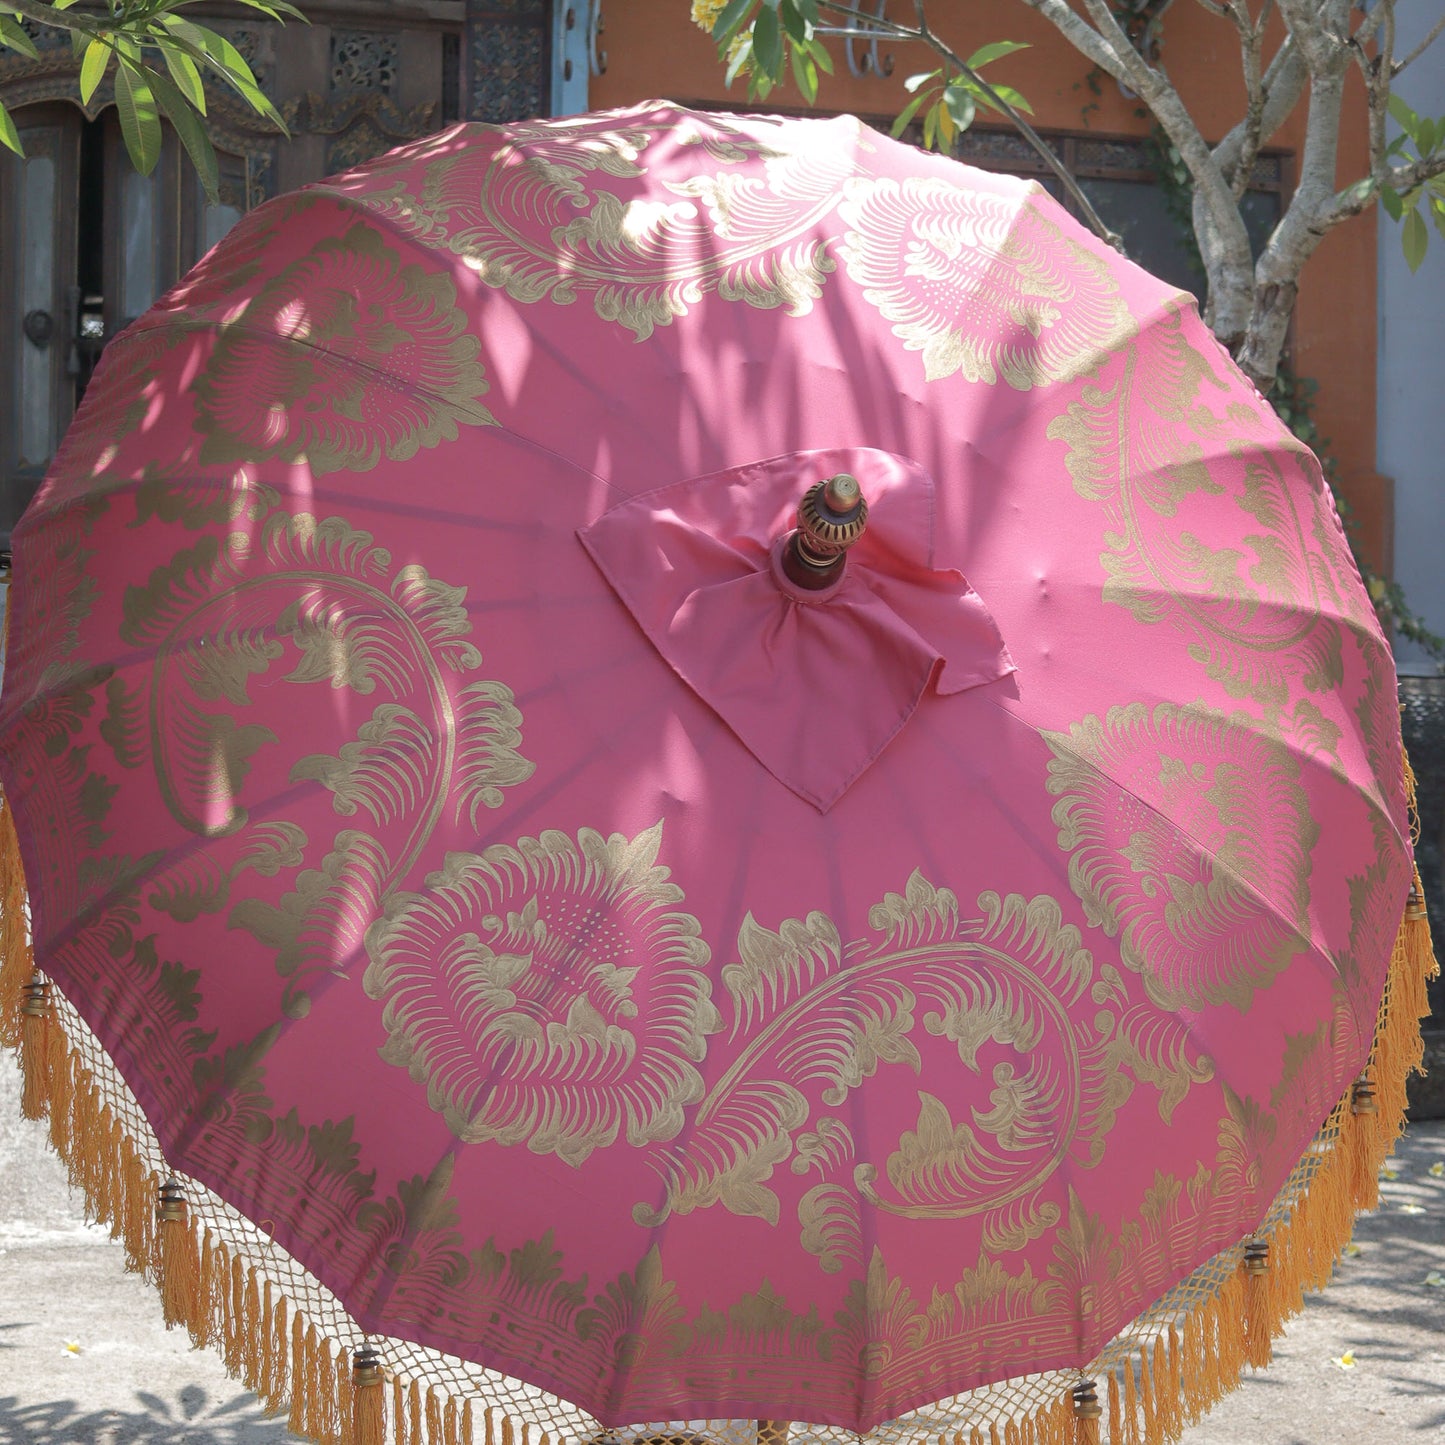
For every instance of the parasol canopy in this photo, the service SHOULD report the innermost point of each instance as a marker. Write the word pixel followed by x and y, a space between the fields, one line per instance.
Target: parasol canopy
pixel 552 936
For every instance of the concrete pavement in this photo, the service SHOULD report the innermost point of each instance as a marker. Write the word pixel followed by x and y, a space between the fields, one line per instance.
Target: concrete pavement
pixel 85 1359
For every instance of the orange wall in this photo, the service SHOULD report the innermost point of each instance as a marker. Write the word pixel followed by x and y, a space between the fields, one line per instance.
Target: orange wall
pixel 654 49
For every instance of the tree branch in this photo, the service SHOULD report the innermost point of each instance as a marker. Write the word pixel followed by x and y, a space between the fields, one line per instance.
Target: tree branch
pixel 1303 226
pixel 1283 84
pixel 47 15
pixel 1218 223
pixel 1363 194
pixel 1251 47
pixel 1422 47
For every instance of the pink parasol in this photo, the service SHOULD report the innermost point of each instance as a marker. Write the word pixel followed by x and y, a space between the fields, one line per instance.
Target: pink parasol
pixel 587 950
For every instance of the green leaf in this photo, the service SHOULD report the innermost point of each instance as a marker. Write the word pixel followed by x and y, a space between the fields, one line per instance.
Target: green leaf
pixel 961 107
pixel 922 78
pixel 16 38
pixel 276 9
pixel 793 22
pixel 986 54
pixel 905 116
pixel 219 55
pixel 740 59
pixel 1426 137
pixel 805 73
pixel 1007 94
pixel 729 20
pixel 1437 214
pixel 930 128
pixel 768 44
pixel 186 76
pixel 1390 200
pixel 819 53
pixel 809 9
pixel 182 115
pixel 1405 118
pixel 947 131
pixel 140 125
pixel 92 68
pixel 1414 239
pixel 9 136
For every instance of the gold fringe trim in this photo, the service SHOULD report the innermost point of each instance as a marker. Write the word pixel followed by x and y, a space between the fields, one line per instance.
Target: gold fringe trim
pixel 295 1369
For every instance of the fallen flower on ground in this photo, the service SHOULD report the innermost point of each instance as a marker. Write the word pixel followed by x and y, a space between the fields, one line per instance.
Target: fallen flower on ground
pixel 1352 1250
pixel 72 1348
pixel 1345 1361
pixel 1435 1278
pixel 1412 1209
pixel 1437 1169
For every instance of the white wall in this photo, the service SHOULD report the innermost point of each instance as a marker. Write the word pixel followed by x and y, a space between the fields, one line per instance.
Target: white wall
pixel 1411 446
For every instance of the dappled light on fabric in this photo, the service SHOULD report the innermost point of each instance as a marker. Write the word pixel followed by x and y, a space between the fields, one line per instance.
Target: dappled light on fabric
pixel 624 989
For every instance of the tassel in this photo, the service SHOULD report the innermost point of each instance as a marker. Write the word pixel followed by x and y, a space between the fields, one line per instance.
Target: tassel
pixel 180 1268
pixel 1131 1404
pixel 1116 1414
pixel 278 1352
pixel 1358 1124
pixel 1258 1341
pixel 433 1418
pixel 137 1219
pixel 16 960
pixel 398 1410
pixel 323 1388
pixel 368 1394
pixel 1087 1411
pixel 449 1423
pixel 468 1428
pixel 413 1413
pixel 58 1083
pixel 251 1333
pixel 34 1053
pixel 346 1398
pixel 296 1416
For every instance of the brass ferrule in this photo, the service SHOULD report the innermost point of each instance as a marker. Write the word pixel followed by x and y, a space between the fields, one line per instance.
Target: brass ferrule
pixel 1415 904
pixel 172 1207
pixel 36 1003
pixel 1086 1401
pixel 1362 1096
pixel 366 1368
pixel 1256 1257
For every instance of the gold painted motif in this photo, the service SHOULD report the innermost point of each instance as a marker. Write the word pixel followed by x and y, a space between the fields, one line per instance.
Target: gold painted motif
pixel 1266 618
pixel 1189 838
pixel 982 286
pixel 986 287
pixel 822 1016
pixel 347 355
pixel 511 989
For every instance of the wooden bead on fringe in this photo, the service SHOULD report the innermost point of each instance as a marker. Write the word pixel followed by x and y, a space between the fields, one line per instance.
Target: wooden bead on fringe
pixel 1087 1413
pixel 368 1398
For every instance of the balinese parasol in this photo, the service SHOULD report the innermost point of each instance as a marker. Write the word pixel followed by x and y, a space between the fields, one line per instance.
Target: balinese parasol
pixel 561 939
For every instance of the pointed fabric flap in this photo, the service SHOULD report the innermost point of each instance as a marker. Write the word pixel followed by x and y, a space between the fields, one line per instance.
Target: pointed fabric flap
pixel 814 684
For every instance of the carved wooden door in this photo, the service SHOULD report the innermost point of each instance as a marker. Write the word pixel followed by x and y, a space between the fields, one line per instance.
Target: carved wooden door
pixel 40 299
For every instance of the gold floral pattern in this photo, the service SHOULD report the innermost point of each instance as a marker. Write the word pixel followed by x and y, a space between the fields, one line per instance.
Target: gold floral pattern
pixel 311 367
pixel 550 994
pixel 1189 839
pixel 982 286
pixel 986 286
pixel 1265 617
